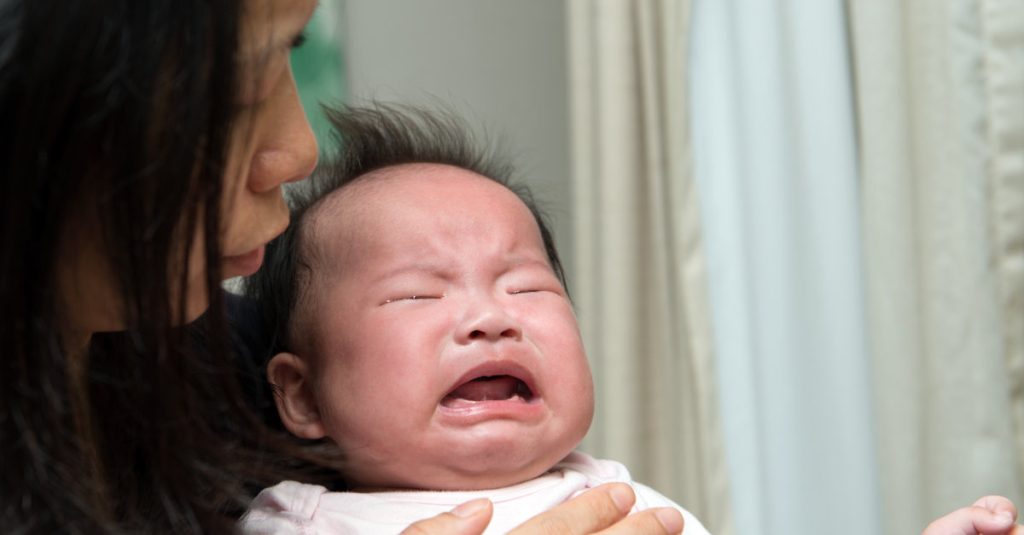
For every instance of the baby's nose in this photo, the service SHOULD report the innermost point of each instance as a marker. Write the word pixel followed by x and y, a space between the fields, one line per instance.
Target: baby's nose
pixel 489 323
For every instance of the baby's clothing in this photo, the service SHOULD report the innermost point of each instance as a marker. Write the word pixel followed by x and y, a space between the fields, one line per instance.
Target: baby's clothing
pixel 291 507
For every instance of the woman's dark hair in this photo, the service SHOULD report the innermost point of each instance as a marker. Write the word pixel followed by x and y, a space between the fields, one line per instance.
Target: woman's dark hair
pixel 368 138
pixel 123 108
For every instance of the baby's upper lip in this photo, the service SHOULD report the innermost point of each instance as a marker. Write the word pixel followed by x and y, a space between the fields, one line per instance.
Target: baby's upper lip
pixel 497 367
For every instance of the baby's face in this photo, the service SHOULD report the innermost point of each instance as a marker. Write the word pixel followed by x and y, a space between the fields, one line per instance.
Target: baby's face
pixel 448 354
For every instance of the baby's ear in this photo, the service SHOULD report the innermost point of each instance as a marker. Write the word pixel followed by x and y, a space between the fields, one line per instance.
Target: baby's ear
pixel 290 378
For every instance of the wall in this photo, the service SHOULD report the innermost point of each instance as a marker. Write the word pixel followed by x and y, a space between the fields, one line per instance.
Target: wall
pixel 500 64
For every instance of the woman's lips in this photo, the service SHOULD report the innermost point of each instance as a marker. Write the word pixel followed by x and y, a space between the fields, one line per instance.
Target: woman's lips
pixel 244 264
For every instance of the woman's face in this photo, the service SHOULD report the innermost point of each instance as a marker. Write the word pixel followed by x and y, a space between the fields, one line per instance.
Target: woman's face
pixel 272 144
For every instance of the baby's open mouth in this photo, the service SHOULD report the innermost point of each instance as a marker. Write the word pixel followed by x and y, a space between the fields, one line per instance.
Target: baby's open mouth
pixel 489 388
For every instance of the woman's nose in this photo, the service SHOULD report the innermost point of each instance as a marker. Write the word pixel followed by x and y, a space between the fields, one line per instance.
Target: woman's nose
pixel 290 151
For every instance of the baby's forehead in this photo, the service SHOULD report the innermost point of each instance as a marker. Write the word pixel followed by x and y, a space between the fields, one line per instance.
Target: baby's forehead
pixel 422 180
pixel 410 186
pixel 418 195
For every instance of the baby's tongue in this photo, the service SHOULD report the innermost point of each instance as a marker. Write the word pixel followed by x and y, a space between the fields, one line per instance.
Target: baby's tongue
pixel 486 388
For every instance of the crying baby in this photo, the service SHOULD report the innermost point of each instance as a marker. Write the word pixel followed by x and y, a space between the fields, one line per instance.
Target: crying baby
pixel 433 341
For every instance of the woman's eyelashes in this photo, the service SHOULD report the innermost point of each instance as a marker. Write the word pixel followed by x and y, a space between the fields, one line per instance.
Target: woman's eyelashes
pixel 260 74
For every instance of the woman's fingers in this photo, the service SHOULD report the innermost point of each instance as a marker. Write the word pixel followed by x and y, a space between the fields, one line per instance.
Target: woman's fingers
pixel 470 518
pixel 588 513
pixel 603 510
pixel 661 521
pixel 970 521
pixel 997 504
pixel 991 515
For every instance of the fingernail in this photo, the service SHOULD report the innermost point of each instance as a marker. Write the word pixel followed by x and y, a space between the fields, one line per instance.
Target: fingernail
pixel 623 497
pixel 472 508
pixel 1004 517
pixel 670 519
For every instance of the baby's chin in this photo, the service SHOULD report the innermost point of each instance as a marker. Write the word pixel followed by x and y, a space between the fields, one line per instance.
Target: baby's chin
pixel 462 481
pixel 461 474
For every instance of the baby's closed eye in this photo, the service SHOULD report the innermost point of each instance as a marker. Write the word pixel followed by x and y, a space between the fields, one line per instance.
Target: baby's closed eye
pixel 534 285
pixel 413 297
pixel 518 291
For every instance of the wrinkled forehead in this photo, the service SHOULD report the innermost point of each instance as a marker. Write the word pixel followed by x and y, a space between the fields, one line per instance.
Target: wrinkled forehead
pixel 419 198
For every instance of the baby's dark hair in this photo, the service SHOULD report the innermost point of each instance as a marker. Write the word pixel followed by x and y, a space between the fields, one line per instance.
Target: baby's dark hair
pixel 368 139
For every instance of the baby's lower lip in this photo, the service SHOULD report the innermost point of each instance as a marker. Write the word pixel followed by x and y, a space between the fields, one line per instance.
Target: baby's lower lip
pixel 456 403
pixel 461 412
pixel 244 264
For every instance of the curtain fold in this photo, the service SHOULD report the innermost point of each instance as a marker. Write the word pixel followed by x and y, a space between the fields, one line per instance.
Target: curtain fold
pixel 1003 61
pixel 640 283
pixel 776 166
pixel 940 94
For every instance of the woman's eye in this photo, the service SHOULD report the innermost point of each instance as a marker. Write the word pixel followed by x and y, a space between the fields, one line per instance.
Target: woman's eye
pixel 299 40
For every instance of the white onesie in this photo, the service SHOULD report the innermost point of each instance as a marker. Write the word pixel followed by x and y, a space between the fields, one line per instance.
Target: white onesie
pixel 291 507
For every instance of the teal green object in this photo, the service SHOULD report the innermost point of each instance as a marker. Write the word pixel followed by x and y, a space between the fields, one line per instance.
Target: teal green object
pixel 319 69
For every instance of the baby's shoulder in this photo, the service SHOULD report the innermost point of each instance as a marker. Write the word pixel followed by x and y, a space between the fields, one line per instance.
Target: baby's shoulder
pixel 283 508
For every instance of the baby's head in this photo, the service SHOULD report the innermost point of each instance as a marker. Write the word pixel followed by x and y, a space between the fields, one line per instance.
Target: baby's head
pixel 430 334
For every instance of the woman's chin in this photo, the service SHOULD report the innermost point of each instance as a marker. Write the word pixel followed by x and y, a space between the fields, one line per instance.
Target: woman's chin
pixel 244 264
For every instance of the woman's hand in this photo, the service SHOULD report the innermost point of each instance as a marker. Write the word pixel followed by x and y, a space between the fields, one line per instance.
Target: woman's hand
pixel 470 518
pixel 991 515
pixel 602 510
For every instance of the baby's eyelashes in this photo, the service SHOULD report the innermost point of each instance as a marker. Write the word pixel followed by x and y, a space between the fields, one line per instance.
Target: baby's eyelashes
pixel 413 297
pixel 531 280
pixel 543 288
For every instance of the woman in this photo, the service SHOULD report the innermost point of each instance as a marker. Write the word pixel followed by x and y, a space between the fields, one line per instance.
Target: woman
pixel 145 146
pixel 122 122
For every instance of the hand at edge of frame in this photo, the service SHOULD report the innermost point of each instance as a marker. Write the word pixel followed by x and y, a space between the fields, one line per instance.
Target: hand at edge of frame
pixel 990 515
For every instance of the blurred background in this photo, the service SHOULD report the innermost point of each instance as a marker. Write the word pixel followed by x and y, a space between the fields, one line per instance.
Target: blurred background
pixel 794 230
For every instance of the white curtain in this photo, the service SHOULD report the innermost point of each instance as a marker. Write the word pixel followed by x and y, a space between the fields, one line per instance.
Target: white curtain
pixel 775 159
pixel 640 282
pixel 940 94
